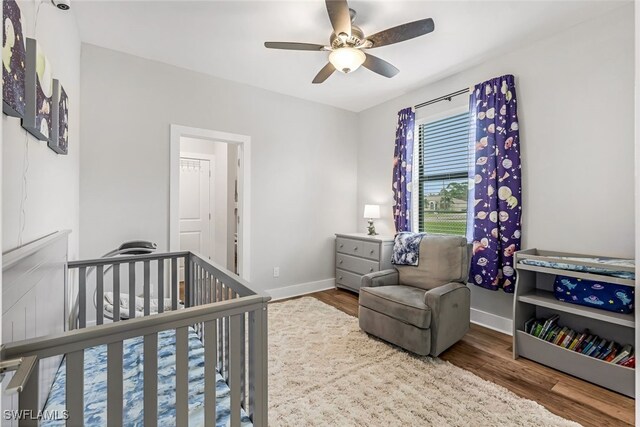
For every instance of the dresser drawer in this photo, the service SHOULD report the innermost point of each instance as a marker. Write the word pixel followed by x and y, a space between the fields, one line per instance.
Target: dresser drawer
pixel 358 248
pixel 356 265
pixel 348 279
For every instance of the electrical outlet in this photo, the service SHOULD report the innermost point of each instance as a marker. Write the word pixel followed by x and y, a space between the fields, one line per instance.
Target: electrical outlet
pixel 276 271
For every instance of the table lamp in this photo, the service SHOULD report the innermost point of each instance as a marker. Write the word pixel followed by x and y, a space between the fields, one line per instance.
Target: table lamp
pixel 371 212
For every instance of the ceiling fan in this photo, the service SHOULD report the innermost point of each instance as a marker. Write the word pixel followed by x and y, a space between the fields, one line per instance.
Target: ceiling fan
pixel 348 42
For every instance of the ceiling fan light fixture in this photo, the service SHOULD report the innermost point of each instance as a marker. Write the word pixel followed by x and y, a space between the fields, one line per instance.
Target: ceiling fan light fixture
pixel 347 59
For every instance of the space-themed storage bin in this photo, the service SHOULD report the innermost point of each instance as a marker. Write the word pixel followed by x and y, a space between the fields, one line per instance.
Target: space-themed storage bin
pixel 596 294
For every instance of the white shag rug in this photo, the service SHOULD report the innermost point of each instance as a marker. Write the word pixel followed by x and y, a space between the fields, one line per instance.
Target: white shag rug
pixel 324 371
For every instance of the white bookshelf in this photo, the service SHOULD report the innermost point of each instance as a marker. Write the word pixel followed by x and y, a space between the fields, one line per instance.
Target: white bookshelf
pixel 533 297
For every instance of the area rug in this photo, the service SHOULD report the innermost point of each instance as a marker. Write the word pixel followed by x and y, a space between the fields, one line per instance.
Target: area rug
pixel 324 371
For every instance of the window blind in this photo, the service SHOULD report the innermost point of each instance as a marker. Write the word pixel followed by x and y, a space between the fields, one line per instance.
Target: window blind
pixel 443 170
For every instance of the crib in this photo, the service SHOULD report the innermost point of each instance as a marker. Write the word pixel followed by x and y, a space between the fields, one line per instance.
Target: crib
pixel 209 351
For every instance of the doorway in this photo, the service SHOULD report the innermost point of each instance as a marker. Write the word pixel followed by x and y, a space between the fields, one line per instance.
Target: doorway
pixel 209 196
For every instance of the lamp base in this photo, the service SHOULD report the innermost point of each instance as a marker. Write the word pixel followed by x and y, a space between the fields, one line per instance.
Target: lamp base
pixel 371 229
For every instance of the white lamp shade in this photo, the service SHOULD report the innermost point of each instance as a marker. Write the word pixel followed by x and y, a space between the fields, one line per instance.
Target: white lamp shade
pixel 372 211
pixel 347 59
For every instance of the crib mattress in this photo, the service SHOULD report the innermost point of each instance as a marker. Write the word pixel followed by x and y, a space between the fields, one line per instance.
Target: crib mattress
pixel 95 385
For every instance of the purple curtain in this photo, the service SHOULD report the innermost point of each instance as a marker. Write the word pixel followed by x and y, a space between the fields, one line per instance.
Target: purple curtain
pixel 402 172
pixel 496 199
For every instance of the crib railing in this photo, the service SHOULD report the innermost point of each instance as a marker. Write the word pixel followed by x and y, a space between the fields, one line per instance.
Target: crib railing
pixel 230 318
pixel 94 275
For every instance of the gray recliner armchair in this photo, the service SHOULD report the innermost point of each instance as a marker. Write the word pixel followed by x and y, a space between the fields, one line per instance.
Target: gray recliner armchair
pixel 424 309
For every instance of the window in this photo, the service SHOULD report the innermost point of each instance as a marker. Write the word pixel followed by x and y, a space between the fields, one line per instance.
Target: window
pixel 443 175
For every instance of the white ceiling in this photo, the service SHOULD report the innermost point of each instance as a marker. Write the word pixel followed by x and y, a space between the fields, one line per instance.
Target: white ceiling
pixel 225 39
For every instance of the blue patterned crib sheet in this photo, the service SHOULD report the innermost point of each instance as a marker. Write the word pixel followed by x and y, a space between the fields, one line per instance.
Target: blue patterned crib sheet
pixel 608 265
pixel 95 385
pixel 605 296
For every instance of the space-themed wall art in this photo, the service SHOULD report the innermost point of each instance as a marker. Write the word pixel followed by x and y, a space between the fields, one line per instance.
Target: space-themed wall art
pixel 60 119
pixel 13 60
pixel 38 92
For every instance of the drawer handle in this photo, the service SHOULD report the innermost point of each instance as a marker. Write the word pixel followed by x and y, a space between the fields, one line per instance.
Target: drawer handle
pixel 341 246
pixel 340 262
pixel 340 278
pixel 372 251
pixel 371 270
pixel 355 249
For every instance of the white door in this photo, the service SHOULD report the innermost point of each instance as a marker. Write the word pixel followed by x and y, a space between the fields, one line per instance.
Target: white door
pixel 195 206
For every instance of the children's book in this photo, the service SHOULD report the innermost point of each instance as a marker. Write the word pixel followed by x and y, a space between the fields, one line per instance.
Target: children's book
pixel 579 339
pixel 552 334
pixel 626 350
pixel 561 335
pixel 537 329
pixel 606 350
pixel 597 348
pixel 567 339
pixel 548 324
pixel 614 352
pixel 630 363
pixel 528 325
pixel 592 341
pixel 584 343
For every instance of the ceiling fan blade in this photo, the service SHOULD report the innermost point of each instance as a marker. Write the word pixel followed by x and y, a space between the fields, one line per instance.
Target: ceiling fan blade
pixel 293 46
pixel 402 32
pixel 324 74
pixel 380 66
pixel 339 16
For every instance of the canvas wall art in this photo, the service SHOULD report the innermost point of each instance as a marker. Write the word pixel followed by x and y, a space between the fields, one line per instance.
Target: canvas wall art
pixel 13 60
pixel 38 92
pixel 59 140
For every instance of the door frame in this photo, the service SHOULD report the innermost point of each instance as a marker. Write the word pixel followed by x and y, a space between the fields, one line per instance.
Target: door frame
pixel 243 142
pixel 212 191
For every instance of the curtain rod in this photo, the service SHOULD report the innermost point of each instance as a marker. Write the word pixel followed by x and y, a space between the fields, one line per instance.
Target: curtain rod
pixel 443 98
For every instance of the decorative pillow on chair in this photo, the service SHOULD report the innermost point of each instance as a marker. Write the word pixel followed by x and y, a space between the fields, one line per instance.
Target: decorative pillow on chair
pixel 406 248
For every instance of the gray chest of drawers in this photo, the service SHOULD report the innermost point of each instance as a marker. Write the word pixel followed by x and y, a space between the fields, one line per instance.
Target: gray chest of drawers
pixel 359 254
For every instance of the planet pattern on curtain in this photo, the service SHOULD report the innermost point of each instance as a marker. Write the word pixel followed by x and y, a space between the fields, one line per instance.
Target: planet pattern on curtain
pixel 496 197
pixel 402 170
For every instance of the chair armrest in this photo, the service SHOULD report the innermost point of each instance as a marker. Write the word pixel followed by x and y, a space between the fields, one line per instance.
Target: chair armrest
pixel 380 278
pixel 450 306
pixel 432 297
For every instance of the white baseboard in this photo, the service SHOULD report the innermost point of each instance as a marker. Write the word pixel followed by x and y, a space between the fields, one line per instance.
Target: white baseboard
pixel 492 321
pixel 301 289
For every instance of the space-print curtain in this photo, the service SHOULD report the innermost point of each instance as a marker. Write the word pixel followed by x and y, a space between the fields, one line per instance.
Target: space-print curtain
pixel 496 197
pixel 402 164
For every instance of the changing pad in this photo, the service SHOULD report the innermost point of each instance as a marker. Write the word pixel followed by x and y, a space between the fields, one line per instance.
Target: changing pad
pixel 608 265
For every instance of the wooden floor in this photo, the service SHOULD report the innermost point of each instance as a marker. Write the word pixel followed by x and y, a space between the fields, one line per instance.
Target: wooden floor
pixel 487 354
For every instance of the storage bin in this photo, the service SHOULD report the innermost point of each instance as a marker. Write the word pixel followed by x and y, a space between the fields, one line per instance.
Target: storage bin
pixel 596 294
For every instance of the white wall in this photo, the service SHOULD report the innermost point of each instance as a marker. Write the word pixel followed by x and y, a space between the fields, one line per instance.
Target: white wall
pixel 575 101
pixel 219 151
pixel 1 144
pixel 52 181
pixel 637 191
pixel 303 157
